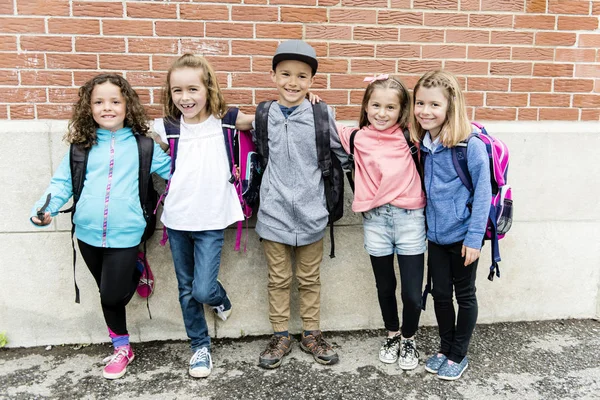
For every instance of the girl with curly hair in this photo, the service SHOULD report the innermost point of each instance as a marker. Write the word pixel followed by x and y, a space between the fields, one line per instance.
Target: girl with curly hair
pixel 108 219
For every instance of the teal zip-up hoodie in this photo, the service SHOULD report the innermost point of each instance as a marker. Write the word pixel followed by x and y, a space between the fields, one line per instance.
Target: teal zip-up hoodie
pixel 125 221
pixel 453 213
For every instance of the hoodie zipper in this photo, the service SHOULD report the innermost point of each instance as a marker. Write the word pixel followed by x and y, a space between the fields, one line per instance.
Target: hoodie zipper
pixel 429 191
pixel 108 185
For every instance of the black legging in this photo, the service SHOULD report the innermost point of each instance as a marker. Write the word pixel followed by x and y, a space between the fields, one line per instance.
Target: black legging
pixel 117 277
pixel 411 283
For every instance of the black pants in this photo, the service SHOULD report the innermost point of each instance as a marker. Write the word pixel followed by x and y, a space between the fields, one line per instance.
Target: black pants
pixel 117 277
pixel 448 272
pixel 411 281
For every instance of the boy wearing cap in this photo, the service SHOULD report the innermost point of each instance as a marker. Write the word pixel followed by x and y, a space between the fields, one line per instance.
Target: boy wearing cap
pixel 292 216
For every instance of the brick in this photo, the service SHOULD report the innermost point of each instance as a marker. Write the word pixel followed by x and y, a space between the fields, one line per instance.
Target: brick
pixel 503 5
pixel 262 64
pixel 372 66
pixel 321 48
pixel 436 5
pixel 587 71
pixel 470 5
pixel 510 68
pixel 352 16
pixel 154 111
pixel 97 9
pixel 347 112
pixel 444 51
pixel 488 53
pixel 473 99
pixel 162 63
pixel 54 111
pixel 347 81
pixel 365 3
pixel 253 47
pixel 288 31
pixel 6 7
pixel 569 7
pixel 46 78
pixel 506 99
pixel 147 78
pixel 22 111
pixel 129 28
pixel 28 95
pixel 352 50
pixel 204 46
pixel 421 35
pixel 356 96
pixel 577 23
pixel 394 17
pixel 43 7
pixel 333 65
pixel 22 25
pixel 555 39
pixel 204 12
pixel 251 80
pixel 237 96
pixel 263 95
pixel 8 43
pixel 530 85
pixel 152 45
pixel 575 55
pixel 302 14
pixel 152 10
pixel 586 100
pixel 81 77
pixel 535 22
pixel 63 95
pixel 590 114
pixel 71 61
pixel 446 19
pixel 143 94
pixel 559 114
pixel 125 62
pixel 398 51
pixel 532 53
pixel 255 13
pixel 550 100
pixel 99 45
pixel 505 37
pixel 536 6
pixel 496 114
pixel 418 66
pixel 467 36
pixel 527 114
pixel 557 70
pixel 490 21
pixel 485 84
pixel 573 85
pixel 46 43
pixel 9 77
pixel 330 32
pixel 229 63
pixel 22 60
pixel 293 2
pixel 589 40
pixel 375 33
pixel 4 111
pixel 74 26
pixel 175 28
pixel 467 67
pixel 596 8
pixel 334 97
pixel 329 2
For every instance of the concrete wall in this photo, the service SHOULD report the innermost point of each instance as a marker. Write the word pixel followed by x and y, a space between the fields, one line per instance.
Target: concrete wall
pixel 549 268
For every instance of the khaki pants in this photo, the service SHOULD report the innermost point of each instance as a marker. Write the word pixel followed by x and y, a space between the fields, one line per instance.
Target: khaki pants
pixel 308 263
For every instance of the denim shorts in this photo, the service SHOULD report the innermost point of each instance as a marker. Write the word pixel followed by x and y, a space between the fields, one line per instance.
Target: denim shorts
pixel 390 230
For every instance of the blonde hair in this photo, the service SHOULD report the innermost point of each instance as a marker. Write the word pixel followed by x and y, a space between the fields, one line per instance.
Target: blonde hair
pixel 215 102
pixel 403 98
pixel 456 127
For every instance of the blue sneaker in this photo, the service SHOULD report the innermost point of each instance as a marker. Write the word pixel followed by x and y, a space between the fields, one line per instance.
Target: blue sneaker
pixel 451 371
pixel 223 310
pixel 434 363
pixel 200 363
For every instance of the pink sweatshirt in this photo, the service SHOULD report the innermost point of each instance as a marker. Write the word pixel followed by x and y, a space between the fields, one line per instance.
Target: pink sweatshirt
pixel 385 171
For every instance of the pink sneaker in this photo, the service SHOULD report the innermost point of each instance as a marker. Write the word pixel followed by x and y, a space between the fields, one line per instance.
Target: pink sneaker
pixel 146 283
pixel 118 362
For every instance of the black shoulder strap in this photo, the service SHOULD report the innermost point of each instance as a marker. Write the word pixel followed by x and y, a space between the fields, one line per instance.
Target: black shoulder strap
pixel 228 126
pixel 322 136
pixel 261 131
pixel 173 131
pixel 414 152
pixel 145 152
pixel 351 154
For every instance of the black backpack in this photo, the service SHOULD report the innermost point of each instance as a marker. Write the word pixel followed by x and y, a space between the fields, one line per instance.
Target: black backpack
pixel 331 168
pixel 148 195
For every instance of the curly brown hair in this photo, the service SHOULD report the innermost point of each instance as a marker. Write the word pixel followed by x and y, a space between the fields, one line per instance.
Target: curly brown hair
pixel 403 99
pixel 215 102
pixel 82 126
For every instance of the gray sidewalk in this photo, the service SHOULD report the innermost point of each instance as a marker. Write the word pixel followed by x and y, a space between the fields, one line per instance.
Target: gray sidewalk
pixel 532 360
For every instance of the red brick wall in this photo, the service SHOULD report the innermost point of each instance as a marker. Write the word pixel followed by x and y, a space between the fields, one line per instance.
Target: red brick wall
pixel 517 59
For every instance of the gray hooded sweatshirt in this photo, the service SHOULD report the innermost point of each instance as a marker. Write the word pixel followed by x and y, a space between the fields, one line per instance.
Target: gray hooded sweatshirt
pixel 292 196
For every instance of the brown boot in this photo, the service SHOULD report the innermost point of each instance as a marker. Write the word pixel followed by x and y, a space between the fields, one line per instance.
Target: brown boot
pixel 315 344
pixel 277 348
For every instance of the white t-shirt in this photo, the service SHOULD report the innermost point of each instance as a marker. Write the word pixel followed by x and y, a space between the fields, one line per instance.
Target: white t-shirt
pixel 200 198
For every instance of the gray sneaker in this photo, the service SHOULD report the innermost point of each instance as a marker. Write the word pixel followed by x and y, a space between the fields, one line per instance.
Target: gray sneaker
pixel 278 347
pixel 388 353
pixel 409 356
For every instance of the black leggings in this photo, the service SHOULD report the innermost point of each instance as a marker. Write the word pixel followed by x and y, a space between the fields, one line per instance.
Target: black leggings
pixel 117 277
pixel 411 281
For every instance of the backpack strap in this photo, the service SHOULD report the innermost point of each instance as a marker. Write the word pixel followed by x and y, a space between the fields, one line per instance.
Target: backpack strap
pixel 351 159
pixel 173 131
pixel 414 152
pixel 145 152
pixel 459 159
pixel 228 125
pixel 261 131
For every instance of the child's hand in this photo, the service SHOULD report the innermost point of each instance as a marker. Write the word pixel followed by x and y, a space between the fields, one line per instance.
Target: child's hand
pixel 313 98
pixel 237 173
pixel 244 121
pixel 470 254
pixel 46 221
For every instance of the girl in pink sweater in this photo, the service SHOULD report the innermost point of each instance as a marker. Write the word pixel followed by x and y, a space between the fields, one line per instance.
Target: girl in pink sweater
pixel 388 193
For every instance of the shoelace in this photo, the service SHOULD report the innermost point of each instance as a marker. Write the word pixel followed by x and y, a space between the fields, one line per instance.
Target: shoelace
pixel 390 342
pixel 117 357
pixel 321 344
pixel 408 345
pixel 273 344
pixel 146 281
pixel 200 356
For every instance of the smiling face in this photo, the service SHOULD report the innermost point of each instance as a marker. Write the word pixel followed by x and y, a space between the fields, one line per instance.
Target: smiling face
pixel 293 79
pixel 383 108
pixel 108 106
pixel 431 109
pixel 189 94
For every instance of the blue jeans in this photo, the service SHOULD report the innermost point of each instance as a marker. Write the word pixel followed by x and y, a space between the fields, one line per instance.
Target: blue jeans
pixel 197 258
pixel 389 229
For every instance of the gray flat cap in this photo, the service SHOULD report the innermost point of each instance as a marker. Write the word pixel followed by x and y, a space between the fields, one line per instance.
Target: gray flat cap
pixel 296 50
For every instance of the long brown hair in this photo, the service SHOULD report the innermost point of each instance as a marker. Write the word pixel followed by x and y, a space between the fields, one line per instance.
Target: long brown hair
pixel 403 98
pixel 215 102
pixel 82 126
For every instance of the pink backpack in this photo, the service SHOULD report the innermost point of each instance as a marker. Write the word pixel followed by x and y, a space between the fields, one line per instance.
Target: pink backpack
pixel 501 205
